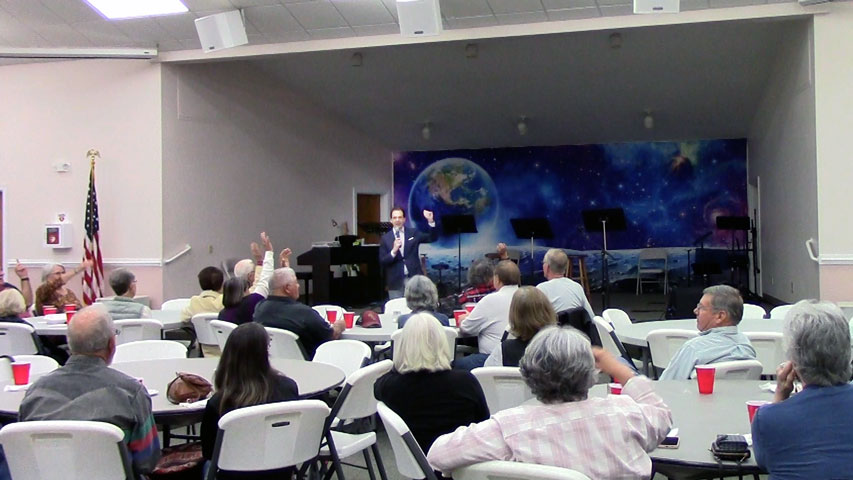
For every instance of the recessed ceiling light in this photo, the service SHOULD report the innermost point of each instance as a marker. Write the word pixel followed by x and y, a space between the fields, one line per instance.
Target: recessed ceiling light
pixel 116 9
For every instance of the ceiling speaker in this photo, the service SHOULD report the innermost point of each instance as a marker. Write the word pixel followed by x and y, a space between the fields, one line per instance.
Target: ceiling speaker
pixel 656 6
pixel 419 18
pixel 221 30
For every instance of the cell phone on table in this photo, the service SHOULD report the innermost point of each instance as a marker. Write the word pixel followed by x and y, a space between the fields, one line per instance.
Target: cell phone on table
pixel 671 441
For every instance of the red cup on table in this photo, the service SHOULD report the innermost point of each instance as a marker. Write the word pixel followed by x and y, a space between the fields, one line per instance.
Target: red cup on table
pixel 70 307
pixel 332 315
pixel 68 315
pixel 469 307
pixel 349 318
pixel 21 372
pixel 705 378
pixel 457 316
pixel 614 388
pixel 48 309
pixel 752 406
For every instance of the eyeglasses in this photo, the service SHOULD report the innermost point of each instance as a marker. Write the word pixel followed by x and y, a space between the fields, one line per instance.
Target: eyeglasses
pixel 701 307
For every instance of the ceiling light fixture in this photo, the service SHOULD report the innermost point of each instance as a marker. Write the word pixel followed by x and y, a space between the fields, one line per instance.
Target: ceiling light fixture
pixel 117 9
pixel 648 120
pixel 522 125
pixel 426 132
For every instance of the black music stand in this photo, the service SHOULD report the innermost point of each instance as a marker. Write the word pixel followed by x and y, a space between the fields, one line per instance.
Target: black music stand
pixel 699 242
pixel 376 227
pixel 738 257
pixel 601 220
pixel 532 228
pixel 457 225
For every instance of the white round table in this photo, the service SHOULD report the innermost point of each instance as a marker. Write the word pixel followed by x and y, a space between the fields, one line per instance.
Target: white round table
pixel 55 324
pixel 373 335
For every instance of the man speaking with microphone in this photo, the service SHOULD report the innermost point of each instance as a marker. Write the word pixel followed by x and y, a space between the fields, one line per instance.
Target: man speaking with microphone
pixel 398 250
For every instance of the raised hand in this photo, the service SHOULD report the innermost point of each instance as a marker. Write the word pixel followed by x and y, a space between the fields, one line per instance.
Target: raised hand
pixel 256 252
pixel 21 271
pixel 265 239
pixel 429 216
pixel 284 257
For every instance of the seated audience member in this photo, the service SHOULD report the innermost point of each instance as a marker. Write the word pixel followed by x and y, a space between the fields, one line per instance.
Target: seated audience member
pixel 422 297
pixel 717 316
pixel 480 275
pixel 244 378
pixel 601 437
pixel 122 306
pixel 26 286
pixel 430 397
pixel 488 320
pixel 808 435
pixel 529 312
pixel 564 293
pixel 250 270
pixel 282 310
pixel 87 389
pixel 240 298
pixel 210 299
pixel 53 291
pixel 12 306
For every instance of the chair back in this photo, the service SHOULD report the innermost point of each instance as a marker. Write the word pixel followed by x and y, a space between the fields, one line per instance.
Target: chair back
pixel 321 309
pixel 356 399
pixel 17 339
pixel 617 318
pixel 768 349
pixel 502 470
pixel 753 311
pixel 136 329
pixel 284 344
pixel 738 370
pixel 450 332
pixel 649 262
pixel 780 311
pixel 410 459
pixel 503 387
pixel 221 329
pixel 39 364
pixel 270 436
pixel 579 319
pixel 664 342
pixel 175 304
pixel 397 305
pixel 348 355
pixel 609 340
pixel 6 368
pixel 65 448
pixel 149 350
pixel 203 332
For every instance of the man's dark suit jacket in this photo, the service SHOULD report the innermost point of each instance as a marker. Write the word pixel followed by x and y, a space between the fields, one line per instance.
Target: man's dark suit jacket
pixel 393 266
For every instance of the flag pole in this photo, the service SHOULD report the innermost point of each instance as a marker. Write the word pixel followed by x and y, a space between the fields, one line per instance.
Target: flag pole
pixel 93 276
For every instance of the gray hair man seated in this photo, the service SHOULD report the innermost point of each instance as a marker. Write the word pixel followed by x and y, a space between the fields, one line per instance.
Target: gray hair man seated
pixel 122 306
pixel 809 434
pixel 86 389
pixel 601 437
pixel 717 316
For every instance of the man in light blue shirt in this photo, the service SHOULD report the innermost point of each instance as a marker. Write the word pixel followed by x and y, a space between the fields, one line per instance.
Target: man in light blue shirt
pixel 717 315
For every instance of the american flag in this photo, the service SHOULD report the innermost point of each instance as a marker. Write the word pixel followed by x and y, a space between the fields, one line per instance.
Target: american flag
pixel 93 278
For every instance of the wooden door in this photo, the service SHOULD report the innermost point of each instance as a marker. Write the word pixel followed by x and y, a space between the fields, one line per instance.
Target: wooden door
pixel 367 210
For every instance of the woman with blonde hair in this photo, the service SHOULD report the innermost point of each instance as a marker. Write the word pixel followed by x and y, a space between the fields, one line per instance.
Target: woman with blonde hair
pixel 529 312
pixel 430 397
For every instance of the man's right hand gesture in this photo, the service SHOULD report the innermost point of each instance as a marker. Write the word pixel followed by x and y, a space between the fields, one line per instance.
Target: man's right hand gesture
pixel 398 244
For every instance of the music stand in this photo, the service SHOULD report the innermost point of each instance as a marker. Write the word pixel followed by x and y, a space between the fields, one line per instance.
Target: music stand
pixel 377 228
pixel 600 220
pixel 532 228
pixel 457 225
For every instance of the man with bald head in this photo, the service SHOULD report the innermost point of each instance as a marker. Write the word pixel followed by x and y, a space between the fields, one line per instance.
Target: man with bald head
pixel 283 310
pixel 86 389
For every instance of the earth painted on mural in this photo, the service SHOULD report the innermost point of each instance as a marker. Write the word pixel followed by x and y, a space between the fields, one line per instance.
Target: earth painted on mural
pixel 455 186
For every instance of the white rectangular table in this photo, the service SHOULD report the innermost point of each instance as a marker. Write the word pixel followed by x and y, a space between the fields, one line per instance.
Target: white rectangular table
pixel 55 324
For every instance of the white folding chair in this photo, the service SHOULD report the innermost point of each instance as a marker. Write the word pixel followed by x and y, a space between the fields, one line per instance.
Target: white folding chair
pixel 397 305
pixel 203 332
pixel 780 311
pixel 285 344
pixel 149 350
pixel 348 355
pixel 502 470
pixel 66 449
pixel 753 311
pixel 768 350
pixel 137 329
pixel 268 437
pixel 450 332
pixel 39 364
pixel 665 342
pixel 221 330
pixel 648 263
pixel 611 343
pixel 17 339
pixel 503 387
pixel 175 304
pixel 356 401
pixel 410 459
pixel 321 309
pixel 738 370
pixel 617 318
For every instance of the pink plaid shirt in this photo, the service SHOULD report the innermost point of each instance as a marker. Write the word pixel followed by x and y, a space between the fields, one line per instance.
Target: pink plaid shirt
pixel 604 438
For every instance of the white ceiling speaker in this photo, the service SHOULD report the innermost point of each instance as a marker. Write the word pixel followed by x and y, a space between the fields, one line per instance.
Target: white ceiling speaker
pixel 656 6
pixel 221 30
pixel 419 18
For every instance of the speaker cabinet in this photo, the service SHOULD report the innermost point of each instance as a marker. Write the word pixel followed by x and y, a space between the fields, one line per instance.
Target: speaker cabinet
pixel 419 18
pixel 656 6
pixel 221 30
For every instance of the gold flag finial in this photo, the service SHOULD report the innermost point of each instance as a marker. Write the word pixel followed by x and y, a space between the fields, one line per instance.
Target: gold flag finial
pixel 91 154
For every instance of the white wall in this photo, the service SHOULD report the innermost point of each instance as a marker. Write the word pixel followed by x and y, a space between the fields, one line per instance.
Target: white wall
pixel 57 111
pixel 242 154
pixel 782 154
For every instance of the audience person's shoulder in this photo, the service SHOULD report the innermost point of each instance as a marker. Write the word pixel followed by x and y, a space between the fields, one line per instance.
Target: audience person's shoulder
pixel 286 388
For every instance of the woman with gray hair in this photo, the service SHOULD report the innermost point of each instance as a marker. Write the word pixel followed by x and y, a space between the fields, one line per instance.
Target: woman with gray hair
pixel 423 390
pixel 601 437
pixel 53 290
pixel 422 297
pixel 809 434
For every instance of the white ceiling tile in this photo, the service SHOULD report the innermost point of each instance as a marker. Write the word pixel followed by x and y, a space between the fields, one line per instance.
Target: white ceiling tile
pixel 573 13
pixel 616 10
pixel 30 12
pixel 527 17
pixel 271 20
pixel 20 35
pixel 63 36
pixel 143 30
pixel 171 45
pixel 253 3
pixel 734 3
pixel 687 5
pixel 363 12
pixel 465 8
pixel 317 15
pixel 516 6
pixel 563 4
pixel 473 22
pixel 72 11
pixel 338 32
pixel 204 5
pixel 384 29
pixel 286 37
pixel 180 26
pixel 781 1
pixel 391 6
pixel 602 3
pixel 102 32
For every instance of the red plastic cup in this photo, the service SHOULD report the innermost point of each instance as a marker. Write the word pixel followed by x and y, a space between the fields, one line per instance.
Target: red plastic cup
pixel 332 315
pixel 349 318
pixel 752 406
pixel 68 316
pixel 469 308
pixel 457 315
pixel 48 309
pixel 614 388
pixel 70 307
pixel 21 372
pixel 705 377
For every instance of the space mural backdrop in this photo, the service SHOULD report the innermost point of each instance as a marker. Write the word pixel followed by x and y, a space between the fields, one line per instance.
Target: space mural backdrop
pixel 671 193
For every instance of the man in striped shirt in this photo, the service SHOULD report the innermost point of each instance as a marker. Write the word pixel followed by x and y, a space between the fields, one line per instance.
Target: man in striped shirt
pixel 86 389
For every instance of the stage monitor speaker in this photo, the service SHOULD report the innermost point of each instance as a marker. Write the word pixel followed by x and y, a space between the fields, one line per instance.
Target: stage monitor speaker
pixel 221 30
pixel 419 18
pixel 656 6
pixel 732 223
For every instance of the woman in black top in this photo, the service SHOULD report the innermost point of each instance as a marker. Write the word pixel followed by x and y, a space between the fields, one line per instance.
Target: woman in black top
pixel 529 312
pixel 244 378
pixel 430 397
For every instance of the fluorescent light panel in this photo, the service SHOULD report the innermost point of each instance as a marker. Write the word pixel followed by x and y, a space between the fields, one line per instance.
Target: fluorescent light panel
pixel 117 9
